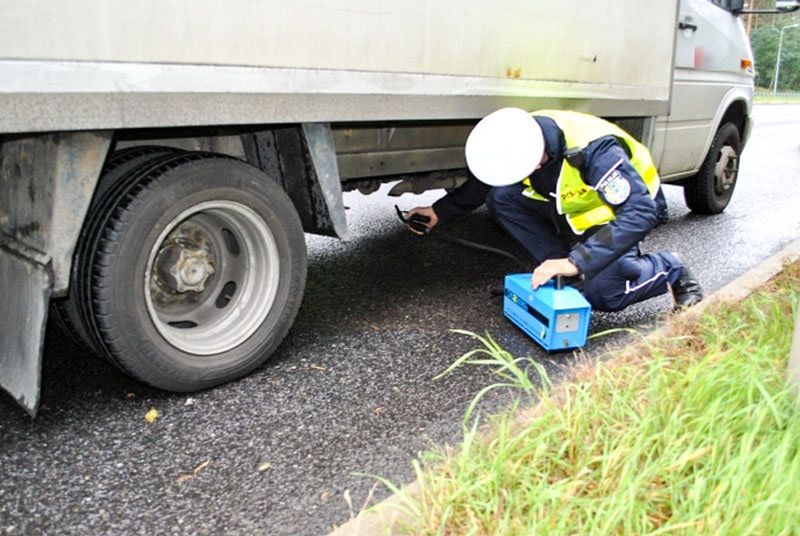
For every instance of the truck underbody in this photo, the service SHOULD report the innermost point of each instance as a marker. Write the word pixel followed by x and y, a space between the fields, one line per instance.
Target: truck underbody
pixel 155 195
pixel 53 184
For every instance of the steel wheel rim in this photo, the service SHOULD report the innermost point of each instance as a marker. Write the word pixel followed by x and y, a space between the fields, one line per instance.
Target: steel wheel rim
pixel 220 324
pixel 726 169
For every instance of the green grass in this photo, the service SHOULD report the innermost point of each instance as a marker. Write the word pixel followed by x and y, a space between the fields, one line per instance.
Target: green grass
pixel 696 434
pixel 768 98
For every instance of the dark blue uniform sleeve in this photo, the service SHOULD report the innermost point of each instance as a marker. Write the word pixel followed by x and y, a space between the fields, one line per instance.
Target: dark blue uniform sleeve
pixel 466 198
pixel 608 170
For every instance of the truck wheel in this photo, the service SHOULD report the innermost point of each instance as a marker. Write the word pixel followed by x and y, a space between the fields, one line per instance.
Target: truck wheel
pixel 198 272
pixel 710 191
pixel 66 311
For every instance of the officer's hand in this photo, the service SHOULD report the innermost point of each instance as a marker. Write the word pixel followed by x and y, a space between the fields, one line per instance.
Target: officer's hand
pixel 428 212
pixel 551 268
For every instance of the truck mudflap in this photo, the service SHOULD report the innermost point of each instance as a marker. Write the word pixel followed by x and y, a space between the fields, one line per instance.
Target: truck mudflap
pixel 46 184
pixel 302 159
pixel 26 280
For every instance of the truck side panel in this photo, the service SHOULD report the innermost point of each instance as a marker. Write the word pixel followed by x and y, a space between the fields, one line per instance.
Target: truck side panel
pixel 261 62
pixel 450 37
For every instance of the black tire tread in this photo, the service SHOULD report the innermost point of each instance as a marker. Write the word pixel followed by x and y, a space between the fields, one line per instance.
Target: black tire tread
pixel 106 206
pixel 66 311
pixel 698 192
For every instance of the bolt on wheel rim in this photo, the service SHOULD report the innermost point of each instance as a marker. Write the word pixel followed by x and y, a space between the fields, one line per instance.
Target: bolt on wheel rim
pixel 212 277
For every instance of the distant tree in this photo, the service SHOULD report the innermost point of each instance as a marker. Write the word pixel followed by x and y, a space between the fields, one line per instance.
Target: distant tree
pixel 765 50
pixel 764 40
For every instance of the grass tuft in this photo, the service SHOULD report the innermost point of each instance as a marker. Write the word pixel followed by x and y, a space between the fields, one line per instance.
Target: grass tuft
pixel 696 433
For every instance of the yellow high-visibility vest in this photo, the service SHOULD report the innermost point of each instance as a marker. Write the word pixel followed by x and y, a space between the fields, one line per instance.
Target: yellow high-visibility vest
pixel 577 201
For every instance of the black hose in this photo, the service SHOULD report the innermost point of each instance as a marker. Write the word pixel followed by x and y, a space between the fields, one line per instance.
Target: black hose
pixel 474 245
pixel 419 224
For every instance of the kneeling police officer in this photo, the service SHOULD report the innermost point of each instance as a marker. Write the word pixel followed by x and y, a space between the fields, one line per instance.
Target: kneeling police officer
pixel 579 194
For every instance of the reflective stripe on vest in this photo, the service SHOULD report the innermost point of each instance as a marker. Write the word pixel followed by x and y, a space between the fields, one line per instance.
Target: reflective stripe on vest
pixel 578 202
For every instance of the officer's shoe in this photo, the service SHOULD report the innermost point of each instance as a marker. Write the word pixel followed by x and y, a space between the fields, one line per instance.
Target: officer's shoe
pixel 686 291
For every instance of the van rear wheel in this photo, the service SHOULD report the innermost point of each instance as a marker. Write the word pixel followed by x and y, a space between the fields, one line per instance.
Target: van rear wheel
pixel 710 191
pixel 198 272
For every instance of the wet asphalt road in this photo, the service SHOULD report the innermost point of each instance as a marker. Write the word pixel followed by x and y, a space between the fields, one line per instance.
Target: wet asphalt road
pixel 350 390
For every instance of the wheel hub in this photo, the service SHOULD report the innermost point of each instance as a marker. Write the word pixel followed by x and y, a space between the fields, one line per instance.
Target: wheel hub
pixel 726 169
pixel 213 277
pixel 192 270
pixel 184 264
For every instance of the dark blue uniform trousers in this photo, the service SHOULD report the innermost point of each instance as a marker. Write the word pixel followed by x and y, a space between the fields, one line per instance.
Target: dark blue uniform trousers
pixel 631 278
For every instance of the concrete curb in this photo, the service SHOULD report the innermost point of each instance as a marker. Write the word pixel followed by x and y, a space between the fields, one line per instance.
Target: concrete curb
pixel 386 516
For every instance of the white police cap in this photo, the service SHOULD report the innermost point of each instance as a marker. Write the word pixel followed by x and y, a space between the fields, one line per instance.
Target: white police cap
pixel 504 147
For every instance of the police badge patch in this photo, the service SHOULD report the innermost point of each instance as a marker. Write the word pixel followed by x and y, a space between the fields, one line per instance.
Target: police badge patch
pixel 614 188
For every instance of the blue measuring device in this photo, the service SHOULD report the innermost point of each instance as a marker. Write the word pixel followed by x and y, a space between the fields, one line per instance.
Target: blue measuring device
pixel 553 315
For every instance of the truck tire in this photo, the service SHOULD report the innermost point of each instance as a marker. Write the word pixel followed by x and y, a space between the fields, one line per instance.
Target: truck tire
pixel 66 311
pixel 710 191
pixel 198 272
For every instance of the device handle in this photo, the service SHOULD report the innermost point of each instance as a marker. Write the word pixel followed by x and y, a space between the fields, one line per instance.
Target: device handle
pixel 418 222
pixel 559 282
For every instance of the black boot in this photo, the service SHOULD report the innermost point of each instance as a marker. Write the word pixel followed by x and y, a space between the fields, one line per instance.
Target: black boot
pixel 686 291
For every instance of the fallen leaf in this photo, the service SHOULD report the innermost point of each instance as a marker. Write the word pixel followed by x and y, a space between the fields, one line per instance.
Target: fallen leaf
pixel 263 467
pixel 152 415
pixel 376 327
pixel 131 395
pixel 201 466
pixel 318 367
pixel 184 477
pixel 325 495
pixel 377 411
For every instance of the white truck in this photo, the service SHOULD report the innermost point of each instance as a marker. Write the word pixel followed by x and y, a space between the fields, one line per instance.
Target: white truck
pixel 160 160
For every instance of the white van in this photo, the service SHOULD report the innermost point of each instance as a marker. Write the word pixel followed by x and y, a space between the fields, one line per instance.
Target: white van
pixel 160 161
pixel 700 141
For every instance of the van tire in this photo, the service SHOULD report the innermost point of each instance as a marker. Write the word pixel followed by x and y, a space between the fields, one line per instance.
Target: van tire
pixel 183 215
pixel 67 311
pixel 710 191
